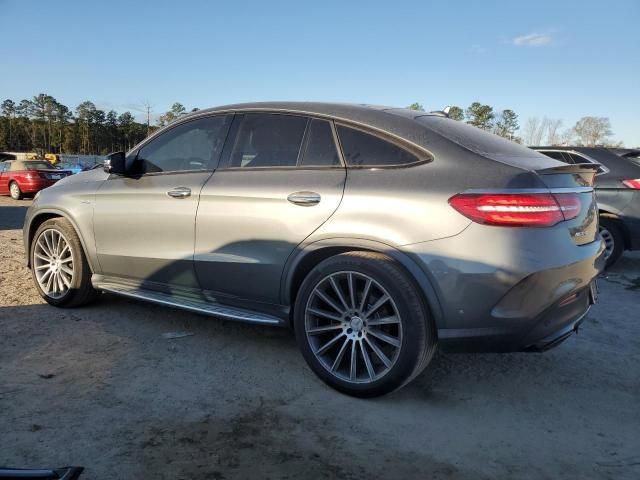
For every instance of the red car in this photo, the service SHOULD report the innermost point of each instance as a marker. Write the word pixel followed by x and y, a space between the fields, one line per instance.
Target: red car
pixel 20 177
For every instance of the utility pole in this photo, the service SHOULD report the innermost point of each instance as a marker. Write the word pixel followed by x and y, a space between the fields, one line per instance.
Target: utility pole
pixel 147 106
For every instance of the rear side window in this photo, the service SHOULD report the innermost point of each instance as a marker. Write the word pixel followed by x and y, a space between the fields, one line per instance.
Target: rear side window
pixel 577 158
pixel 365 150
pixel 557 156
pixel 194 145
pixel 580 159
pixel 268 140
pixel 320 149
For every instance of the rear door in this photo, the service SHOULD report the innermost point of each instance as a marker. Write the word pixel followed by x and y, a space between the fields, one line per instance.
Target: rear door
pixel 144 221
pixel 281 178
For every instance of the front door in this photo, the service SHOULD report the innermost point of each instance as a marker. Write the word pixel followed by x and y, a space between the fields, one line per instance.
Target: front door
pixel 281 177
pixel 144 221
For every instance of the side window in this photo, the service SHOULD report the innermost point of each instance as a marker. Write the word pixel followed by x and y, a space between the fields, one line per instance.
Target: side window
pixel 557 156
pixel 361 149
pixel 579 159
pixel 320 148
pixel 268 140
pixel 194 145
pixel 3 167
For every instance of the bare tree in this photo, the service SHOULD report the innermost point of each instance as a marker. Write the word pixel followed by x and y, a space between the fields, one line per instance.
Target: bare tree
pixel 593 130
pixel 567 136
pixel 532 131
pixel 553 132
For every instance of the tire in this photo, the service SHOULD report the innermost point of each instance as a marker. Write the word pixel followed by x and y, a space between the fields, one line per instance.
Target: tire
pixel 49 255
pixel 403 332
pixel 614 239
pixel 15 192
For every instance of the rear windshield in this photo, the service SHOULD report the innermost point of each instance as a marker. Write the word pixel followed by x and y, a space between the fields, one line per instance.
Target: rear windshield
pixel 488 145
pixel 37 165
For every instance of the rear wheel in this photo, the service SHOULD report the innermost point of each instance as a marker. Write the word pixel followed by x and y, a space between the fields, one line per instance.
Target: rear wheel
pixel 613 240
pixel 361 324
pixel 14 190
pixel 58 265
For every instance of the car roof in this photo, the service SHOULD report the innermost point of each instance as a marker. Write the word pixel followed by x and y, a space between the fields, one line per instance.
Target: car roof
pixel 18 165
pixel 426 130
pixel 393 120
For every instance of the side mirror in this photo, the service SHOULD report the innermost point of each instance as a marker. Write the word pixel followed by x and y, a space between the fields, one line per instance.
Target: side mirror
pixel 115 163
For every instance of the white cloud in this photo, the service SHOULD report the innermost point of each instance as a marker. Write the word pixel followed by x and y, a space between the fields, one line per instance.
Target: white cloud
pixel 533 40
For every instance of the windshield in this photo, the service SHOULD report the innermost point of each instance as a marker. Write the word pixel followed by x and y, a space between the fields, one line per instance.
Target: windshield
pixel 37 165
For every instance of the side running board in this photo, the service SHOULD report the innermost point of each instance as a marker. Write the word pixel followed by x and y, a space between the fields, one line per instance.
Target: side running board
pixel 193 305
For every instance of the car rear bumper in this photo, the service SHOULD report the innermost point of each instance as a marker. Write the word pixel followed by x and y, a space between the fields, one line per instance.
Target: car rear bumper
pixel 35 185
pixel 523 291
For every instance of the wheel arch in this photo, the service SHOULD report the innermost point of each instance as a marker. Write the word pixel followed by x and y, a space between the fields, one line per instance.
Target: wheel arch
pixel 42 216
pixel 626 235
pixel 307 257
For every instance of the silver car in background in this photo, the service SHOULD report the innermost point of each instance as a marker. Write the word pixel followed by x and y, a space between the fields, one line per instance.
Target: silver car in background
pixel 375 233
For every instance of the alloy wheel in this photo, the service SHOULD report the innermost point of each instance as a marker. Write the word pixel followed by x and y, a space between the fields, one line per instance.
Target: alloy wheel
pixel 15 190
pixel 353 327
pixel 53 263
pixel 609 242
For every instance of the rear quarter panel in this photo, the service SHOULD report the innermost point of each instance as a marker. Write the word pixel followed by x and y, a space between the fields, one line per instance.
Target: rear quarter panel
pixel 401 206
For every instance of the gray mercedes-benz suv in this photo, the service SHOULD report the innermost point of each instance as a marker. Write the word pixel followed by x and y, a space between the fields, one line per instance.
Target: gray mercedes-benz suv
pixel 375 233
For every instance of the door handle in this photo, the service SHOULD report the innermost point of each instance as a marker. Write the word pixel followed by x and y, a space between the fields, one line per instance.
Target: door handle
pixel 180 192
pixel 305 199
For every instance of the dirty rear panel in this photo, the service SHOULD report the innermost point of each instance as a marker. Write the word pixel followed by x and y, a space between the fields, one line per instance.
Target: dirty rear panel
pixel 576 180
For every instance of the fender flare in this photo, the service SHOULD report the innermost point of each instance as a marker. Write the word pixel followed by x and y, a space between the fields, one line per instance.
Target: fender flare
pixel 418 275
pixel 57 213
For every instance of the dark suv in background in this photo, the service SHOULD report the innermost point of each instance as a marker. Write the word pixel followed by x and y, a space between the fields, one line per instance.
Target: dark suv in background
pixel 617 187
pixel 632 154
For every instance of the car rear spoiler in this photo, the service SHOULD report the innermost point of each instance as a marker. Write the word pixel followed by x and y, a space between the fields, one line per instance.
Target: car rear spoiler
pixel 571 168
pixel 556 176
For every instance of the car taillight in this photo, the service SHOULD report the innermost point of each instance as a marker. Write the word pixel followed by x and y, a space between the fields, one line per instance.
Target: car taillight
pixel 517 209
pixel 635 183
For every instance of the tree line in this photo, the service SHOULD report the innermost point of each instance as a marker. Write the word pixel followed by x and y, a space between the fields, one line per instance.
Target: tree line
pixel 44 125
pixel 588 131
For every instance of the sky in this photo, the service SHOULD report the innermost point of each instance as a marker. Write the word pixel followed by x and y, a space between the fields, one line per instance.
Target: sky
pixel 560 59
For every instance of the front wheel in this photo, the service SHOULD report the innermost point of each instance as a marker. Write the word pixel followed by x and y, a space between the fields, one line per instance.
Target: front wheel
pixel 58 265
pixel 361 324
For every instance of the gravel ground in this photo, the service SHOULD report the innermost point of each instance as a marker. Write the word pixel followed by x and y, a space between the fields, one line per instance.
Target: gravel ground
pixel 100 387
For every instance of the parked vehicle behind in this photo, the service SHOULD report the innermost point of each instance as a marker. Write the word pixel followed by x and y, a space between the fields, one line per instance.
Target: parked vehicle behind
pixel 375 233
pixel 617 187
pixel 632 154
pixel 26 177
pixel 73 167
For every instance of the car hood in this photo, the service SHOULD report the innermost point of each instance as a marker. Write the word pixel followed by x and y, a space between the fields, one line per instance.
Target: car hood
pixel 95 175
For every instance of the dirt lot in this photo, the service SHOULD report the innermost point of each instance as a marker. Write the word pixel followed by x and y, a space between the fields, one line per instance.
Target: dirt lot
pixel 101 387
